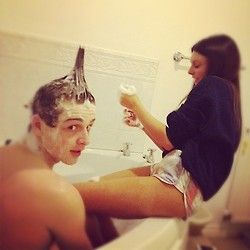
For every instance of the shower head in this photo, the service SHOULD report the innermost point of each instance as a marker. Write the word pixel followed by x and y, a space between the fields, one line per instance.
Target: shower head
pixel 178 56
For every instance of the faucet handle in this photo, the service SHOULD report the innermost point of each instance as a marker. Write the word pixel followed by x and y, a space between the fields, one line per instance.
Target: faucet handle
pixel 127 144
pixel 150 157
pixel 151 150
pixel 126 148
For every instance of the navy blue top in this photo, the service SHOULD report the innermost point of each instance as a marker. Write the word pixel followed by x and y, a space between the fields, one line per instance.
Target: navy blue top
pixel 204 129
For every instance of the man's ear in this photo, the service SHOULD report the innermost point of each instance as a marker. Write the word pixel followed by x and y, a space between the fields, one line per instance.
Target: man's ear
pixel 36 124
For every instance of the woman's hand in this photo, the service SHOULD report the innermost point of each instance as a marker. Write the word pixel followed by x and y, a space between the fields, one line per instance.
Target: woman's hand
pixel 155 129
pixel 129 101
pixel 130 118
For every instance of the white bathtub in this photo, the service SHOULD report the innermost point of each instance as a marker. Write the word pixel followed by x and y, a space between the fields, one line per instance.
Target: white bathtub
pixel 95 162
pixel 150 233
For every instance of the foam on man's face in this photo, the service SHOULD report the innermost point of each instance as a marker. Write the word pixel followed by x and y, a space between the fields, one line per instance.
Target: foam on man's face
pixel 71 134
pixel 85 111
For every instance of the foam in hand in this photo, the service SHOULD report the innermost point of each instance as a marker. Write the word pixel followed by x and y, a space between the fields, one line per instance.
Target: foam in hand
pixel 128 89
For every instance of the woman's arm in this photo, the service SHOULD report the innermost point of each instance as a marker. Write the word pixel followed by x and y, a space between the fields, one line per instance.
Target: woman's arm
pixel 155 129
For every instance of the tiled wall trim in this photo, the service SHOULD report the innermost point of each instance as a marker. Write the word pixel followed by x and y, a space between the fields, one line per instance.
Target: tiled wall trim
pixel 60 53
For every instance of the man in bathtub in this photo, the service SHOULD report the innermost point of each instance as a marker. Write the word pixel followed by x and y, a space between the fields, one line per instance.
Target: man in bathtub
pixel 38 208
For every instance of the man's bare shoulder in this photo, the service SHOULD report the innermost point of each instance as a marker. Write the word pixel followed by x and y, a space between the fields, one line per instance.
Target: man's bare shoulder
pixel 44 194
pixel 38 186
pixel 39 201
pixel 54 186
pixel 45 182
pixel 32 190
pixel 16 157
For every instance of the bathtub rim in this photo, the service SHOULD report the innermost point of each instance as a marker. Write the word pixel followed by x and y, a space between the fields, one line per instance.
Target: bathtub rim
pixel 163 231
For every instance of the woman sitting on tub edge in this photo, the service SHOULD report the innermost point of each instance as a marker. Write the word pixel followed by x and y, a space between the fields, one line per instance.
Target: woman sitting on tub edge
pixel 198 144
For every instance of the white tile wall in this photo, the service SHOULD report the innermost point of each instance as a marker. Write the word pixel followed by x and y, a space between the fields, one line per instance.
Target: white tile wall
pixel 28 62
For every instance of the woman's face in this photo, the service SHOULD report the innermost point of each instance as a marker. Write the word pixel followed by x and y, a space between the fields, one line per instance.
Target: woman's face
pixel 199 67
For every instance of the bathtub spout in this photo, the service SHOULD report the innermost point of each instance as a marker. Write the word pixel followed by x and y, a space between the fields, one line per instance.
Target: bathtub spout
pixel 126 149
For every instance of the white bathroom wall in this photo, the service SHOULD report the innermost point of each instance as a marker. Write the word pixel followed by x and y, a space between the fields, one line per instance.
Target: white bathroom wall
pixel 145 28
pixel 37 61
pixel 239 200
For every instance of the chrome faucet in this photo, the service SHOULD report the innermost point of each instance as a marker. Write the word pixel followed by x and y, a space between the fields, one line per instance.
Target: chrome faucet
pixel 150 157
pixel 126 149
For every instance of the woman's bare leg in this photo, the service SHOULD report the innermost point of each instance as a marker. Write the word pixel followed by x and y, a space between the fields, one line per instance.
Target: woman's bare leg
pixel 137 171
pixel 132 197
pixel 130 194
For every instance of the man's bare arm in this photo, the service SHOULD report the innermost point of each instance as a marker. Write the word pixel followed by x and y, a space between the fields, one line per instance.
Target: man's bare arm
pixel 67 219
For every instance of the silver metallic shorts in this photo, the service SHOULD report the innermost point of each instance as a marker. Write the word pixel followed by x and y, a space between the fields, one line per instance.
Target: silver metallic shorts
pixel 171 171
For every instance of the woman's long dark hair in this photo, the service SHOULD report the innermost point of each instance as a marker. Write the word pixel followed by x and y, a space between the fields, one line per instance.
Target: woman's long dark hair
pixel 223 58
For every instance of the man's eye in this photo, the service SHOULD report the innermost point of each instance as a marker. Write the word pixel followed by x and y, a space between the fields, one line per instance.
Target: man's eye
pixel 89 127
pixel 72 128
